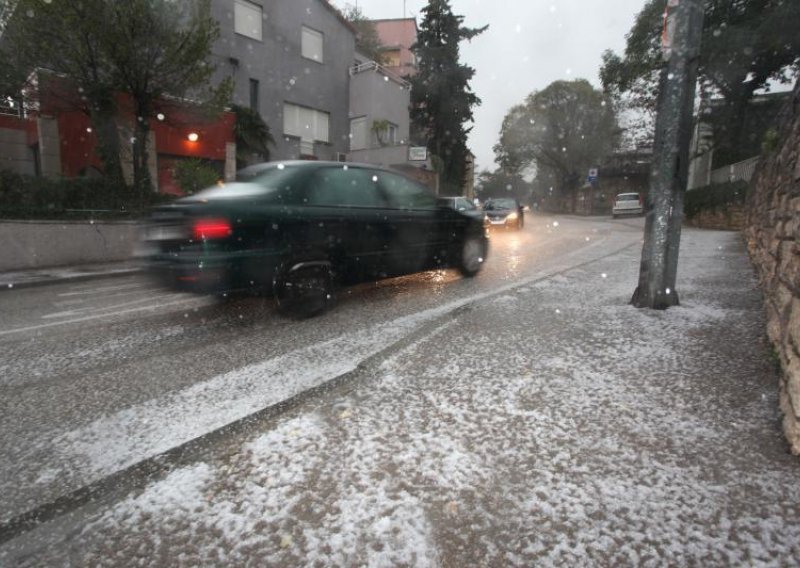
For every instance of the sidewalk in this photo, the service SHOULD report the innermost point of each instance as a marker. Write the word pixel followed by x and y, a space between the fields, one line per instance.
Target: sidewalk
pixel 551 425
pixel 42 276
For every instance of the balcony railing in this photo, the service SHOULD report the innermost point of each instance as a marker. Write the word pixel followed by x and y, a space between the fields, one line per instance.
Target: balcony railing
pixel 740 171
pixel 11 108
pixel 374 66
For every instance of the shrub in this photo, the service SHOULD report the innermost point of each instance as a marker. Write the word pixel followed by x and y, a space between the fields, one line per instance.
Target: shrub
pixel 715 196
pixel 29 197
pixel 193 175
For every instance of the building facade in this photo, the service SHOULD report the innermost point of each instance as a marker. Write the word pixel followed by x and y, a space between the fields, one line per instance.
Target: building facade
pixel 289 60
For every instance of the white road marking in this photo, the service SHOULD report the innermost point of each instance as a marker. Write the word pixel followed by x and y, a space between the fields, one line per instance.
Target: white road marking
pixel 98 316
pixel 68 313
pixel 96 309
pixel 102 289
pixel 66 303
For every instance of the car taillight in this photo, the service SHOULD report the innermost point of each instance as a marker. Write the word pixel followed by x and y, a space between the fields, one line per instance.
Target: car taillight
pixel 205 229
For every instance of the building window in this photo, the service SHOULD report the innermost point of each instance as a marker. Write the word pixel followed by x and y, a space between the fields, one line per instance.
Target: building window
pixel 306 123
pixel 247 19
pixel 358 133
pixel 391 134
pixel 312 47
pixel 392 57
pixel 254 94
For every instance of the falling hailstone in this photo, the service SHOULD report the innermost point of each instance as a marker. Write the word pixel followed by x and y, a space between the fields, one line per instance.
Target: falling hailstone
pixel 555 223
pixel 10 285
pixel 604 275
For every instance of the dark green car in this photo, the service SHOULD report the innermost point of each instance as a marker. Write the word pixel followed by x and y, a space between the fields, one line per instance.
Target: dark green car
pixel 299 229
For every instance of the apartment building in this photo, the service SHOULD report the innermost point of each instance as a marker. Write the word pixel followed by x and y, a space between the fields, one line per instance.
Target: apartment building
pixel 289 59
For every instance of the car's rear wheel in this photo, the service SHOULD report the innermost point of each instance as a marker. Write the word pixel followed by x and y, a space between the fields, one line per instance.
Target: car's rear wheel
pixel 305 290
pixel 473 255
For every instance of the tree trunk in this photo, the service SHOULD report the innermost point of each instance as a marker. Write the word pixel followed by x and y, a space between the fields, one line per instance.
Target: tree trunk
pixel 102 116
pixel 141 156
pixel 659 265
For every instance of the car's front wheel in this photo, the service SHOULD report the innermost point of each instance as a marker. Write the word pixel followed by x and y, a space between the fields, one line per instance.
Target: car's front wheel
pixel 473 255
pixel 305 290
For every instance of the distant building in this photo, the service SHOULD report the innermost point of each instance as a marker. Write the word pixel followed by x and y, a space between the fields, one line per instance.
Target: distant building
pixel 397 36
pixel 622 172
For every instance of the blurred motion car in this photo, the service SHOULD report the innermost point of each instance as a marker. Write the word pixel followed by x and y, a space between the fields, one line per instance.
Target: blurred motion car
pixel 297 230
pixel 504 211
pixel 627 204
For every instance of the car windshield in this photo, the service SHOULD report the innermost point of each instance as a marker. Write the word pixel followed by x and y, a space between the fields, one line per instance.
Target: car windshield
pixel 399 283
pixel 496 204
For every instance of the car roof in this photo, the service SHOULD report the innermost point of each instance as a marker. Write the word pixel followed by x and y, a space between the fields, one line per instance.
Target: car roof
pixel 312 164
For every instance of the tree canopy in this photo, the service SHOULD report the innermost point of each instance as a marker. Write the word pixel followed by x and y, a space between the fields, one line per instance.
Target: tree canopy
pixel 367 40
pixel 747 45
pixel 441 97
pixel 147 49
pixel 562 130
pixel 502 184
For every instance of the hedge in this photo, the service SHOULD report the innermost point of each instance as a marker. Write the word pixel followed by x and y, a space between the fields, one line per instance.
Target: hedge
pixel 29 197
pixel 715 196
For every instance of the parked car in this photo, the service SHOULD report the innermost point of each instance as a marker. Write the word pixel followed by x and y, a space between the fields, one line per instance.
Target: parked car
pixel 627 204
pixel 504 211
pixel 465 206
pixel 298 229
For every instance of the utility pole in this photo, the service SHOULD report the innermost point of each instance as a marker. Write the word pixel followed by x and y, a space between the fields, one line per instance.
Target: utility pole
pixel 668 177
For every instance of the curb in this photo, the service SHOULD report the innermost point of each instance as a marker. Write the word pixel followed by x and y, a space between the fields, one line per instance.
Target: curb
pixel 6 286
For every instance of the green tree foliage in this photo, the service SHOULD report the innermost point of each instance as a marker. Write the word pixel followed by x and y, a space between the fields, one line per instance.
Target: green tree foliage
pixel 253 136
pixel 193 175
pixel 441 98
pixel 561 132
pixel 502 184
pixel 367 40
pixel 69 38
pixel 161 47
pixel 145 48
pixel 746 45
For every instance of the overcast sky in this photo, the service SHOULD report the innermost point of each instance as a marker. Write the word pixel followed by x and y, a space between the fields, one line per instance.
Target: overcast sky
pixel 529 44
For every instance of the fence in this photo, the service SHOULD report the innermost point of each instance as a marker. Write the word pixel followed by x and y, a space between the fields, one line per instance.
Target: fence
pixel 740 171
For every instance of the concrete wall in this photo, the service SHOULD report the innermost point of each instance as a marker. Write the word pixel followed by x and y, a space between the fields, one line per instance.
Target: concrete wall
pixel 283 74
pixel 37 244
pixel 15 154
pixel 773 235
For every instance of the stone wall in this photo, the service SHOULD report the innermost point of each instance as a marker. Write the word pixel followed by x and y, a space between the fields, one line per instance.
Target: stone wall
pixel 773 234
pixel 729 218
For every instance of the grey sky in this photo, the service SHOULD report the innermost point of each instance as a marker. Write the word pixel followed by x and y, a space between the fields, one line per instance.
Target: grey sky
pixel 529 44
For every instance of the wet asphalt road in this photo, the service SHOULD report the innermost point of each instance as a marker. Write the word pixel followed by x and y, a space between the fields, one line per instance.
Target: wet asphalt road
pixel 73 354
